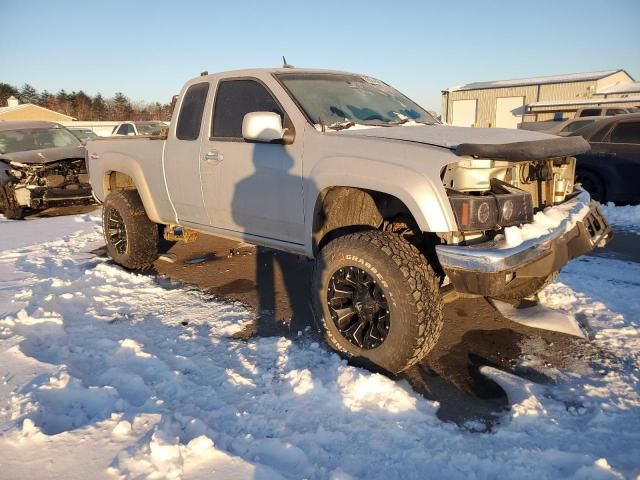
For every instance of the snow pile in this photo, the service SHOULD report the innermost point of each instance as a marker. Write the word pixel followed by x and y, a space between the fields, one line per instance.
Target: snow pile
pixel 624 217
pixel 543 223
pixel 106 372
pixel 17 234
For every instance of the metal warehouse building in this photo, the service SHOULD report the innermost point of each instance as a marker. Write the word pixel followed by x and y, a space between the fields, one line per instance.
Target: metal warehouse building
pixel 505 103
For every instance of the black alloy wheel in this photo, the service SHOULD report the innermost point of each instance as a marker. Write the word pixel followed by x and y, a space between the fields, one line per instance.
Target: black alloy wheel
pixel 358 308
pixel 116 231
pixel 131 237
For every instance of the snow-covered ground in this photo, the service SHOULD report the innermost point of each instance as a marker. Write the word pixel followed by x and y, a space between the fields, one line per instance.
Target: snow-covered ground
pixel 106 373
pixel 624 217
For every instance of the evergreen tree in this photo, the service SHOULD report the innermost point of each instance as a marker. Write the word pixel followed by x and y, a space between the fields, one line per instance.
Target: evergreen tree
pixel 47 100
pixel 82 106
pixel 122 109
pixel 28 94
pixel 63 102
pixel 98 108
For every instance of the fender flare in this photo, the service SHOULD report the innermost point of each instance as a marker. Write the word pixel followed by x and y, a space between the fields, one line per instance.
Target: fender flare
pixel 132 169
pixel 425 199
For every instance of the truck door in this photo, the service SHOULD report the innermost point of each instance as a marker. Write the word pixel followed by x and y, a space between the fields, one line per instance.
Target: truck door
pixel 259 186
pixel 182 157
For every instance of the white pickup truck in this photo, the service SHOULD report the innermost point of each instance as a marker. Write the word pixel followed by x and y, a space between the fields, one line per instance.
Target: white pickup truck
pixel 393 207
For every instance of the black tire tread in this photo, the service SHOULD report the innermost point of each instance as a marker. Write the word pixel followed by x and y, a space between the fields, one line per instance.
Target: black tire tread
pixel 10 206
pixel 423 283
pixel 142 233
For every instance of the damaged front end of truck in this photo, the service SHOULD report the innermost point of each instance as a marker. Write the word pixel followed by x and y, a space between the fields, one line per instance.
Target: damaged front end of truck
pixel 520 217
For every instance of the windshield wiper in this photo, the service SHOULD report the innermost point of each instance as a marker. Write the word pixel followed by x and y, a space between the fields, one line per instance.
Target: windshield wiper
pixel 405 120
pixel 401 121
pixel 341 125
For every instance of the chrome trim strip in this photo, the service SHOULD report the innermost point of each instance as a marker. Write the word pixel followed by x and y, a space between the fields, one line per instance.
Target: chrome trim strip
pixel 490 258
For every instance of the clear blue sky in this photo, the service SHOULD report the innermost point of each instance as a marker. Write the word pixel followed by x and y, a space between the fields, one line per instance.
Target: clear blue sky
pixel 147 49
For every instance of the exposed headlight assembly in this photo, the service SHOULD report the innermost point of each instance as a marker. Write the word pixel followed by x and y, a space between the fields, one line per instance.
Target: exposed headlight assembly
pixel 503 206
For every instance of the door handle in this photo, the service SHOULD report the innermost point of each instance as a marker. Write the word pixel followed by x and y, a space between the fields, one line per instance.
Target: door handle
pixel 213 157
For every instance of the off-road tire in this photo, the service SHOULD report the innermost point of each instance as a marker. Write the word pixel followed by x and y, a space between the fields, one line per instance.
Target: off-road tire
pixel 411 289
pixel 527 289
pixel 9 203
pixel 140 232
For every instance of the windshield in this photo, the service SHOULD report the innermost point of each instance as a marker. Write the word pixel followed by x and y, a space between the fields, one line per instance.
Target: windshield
pixel 26 139
pixel 82 134
pixel 340 101
pixel 150 128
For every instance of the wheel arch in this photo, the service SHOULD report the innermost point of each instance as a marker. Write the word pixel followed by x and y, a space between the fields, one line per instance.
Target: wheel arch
pixel 603 176
pixel 131 178
pixel 340 210
pixel 420 196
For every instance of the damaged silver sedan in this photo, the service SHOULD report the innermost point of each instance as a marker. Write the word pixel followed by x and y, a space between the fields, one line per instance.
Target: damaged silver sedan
pixel 42 165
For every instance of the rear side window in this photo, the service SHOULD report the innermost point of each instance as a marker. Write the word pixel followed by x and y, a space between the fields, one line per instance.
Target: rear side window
pixel 236 98
pixel 572 127
pixel 590 112
pixel 191 110
pixel 124 129
pixel 628 132
pixel 616 111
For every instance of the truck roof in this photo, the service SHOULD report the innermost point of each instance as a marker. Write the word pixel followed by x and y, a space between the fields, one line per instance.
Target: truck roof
pixel 256 71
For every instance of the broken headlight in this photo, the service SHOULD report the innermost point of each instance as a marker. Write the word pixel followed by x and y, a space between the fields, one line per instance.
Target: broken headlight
pixel 503 206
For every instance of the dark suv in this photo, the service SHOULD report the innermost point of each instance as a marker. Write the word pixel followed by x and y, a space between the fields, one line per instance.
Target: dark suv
pixel 611 170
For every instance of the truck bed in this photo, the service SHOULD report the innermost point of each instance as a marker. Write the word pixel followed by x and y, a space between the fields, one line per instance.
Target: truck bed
pixel 141 158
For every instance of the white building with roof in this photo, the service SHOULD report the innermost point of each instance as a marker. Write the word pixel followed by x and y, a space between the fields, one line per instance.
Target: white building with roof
pixel 505 103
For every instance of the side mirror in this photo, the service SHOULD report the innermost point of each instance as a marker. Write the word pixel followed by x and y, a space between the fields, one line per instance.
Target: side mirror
pixel 265 127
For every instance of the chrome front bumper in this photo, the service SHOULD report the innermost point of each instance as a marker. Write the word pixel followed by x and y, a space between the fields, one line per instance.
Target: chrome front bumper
pixel 488 267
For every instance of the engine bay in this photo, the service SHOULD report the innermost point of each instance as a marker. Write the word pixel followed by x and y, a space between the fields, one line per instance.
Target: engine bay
pixel 547 181
pixel 487 195
pixel 37 185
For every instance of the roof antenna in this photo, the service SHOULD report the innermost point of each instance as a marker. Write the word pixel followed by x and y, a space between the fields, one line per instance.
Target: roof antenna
pixel 285 64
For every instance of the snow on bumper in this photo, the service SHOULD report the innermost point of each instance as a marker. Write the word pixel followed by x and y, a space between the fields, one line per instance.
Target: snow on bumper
pixel 556 236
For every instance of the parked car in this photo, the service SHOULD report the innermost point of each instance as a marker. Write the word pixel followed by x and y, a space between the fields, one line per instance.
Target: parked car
pixel 139 128
pixel 611 170
pixel 602 111
pixel 82 133
pixel 567 127
pixel 42 164
pixel 552 126
pixel 561 128
pixel 345 170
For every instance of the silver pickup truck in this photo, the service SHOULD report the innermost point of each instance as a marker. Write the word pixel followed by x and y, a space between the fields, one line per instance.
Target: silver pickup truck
pixel 394 208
